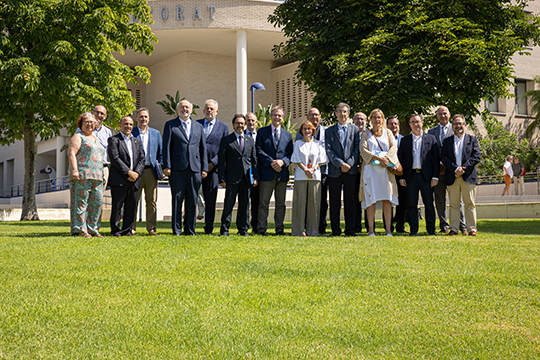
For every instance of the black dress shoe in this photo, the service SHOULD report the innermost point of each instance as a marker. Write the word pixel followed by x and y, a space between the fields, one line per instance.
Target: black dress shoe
pixel 262 233
pixel 432 233
pixel 243 234
pixel 281 233
pixel 413 234
pixel 225 234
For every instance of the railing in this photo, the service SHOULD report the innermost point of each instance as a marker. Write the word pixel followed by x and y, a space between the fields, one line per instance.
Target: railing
pixel 42 186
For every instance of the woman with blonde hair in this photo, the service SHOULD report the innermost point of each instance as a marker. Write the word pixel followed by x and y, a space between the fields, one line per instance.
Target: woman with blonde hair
pixel 85 155
pixel 308 155
pixel 378 149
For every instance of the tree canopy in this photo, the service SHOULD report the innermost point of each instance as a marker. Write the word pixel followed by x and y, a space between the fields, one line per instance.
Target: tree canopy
pixel 56 61
pixel 405 56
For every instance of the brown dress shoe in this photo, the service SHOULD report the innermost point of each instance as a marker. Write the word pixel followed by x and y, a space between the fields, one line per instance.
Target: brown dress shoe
pixel 472 233
pixel 452 233
pixel 152 232
pixel 464 232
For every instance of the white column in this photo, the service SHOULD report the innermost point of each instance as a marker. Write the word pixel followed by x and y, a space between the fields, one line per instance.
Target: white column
pixel 241 72
pixel 61 169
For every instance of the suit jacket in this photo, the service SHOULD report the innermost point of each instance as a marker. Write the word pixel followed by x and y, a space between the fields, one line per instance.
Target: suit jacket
pixel 436 131
pixel 154 149
pixel 335 152
pixel 429 157
pixel 120 160
pixel 233 164
pixel 469 159
pixel 181 153
pixel 219 130
pixel 267 152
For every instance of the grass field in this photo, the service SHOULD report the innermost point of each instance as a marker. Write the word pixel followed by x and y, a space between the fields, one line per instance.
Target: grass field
pixel 209 297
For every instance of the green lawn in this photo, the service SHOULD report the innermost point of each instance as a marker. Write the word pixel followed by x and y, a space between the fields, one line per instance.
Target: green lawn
pixel 209 297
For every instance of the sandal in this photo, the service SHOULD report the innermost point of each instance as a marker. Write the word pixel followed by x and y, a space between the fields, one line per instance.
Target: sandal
pixel 85 234
pixel 98 235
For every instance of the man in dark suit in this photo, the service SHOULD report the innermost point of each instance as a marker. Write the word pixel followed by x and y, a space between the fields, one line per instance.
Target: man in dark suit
pixel 126 155
pixel 151 141
pixel 460 154
pixel 274 150
pixel 186 164
pixel 359 119
pixel 251 131
pixel 214 131
pixel 342 146
pixel 442 132
pixel 237 174
pixel 314 116
pixel 418 154
pixel 400 216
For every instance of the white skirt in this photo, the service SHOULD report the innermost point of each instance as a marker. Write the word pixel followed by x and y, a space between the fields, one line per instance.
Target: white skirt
pixel 377 186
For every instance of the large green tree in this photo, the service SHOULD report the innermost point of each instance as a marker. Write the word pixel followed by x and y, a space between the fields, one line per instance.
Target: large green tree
pixel 56 61
pixel 405 56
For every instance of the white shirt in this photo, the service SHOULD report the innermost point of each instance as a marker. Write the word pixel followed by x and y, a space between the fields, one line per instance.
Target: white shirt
pixel 145 136
pixel 253 134
pixel 129 146
pixel 458 149
pixel 508 166
pixel 417 152
pixel 308 153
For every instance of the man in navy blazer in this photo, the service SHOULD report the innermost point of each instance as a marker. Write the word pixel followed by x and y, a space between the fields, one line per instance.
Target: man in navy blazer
pixel 214 131
pixel 418 154
pixel 151 141
pixel 126 155
pixel 274 151
pixel 237 175
pixel 460 154
pixel 342 149
pixel 442 132
pixel 186 164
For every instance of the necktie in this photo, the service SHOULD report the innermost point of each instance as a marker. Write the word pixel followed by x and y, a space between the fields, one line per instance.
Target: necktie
pixel 276 138
pixel 342 136
pixel 241 138
pixel 208 129
pixel 443 133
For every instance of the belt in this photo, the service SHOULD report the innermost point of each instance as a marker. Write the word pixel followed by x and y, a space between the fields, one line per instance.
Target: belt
pixel 418 170
pixel 147 166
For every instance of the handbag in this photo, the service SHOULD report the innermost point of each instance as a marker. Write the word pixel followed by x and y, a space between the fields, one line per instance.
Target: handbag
pixel 398 169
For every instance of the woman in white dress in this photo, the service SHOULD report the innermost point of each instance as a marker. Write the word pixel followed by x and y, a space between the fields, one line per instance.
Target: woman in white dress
pixel 378 150
pixel 308 155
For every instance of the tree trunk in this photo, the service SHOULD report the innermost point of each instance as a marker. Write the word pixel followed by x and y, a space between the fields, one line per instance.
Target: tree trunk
pixel 29 208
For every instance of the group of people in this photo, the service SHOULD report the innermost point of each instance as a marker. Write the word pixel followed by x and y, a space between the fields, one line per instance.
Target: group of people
pixel 513 171
pixel 363 169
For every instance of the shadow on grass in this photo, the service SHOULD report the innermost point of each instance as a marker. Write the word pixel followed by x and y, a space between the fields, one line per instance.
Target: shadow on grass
pixel 56 228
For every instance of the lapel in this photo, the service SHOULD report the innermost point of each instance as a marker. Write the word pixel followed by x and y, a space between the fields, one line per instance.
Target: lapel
pixel 124 146
pixel 235 144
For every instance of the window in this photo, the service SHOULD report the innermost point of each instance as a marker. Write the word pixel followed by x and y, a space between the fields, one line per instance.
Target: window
pixel 521 100
pixel 493 106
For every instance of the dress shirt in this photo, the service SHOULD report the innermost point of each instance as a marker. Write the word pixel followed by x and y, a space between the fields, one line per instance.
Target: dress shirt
pixel 458 149
pixel 417 152
pixel 238 140
pixel 444 132
pixel 208 126
pixel 145 138
pixel 253 134
pixel 187 127
pixel 342 130
pixel 275 130
pixel 129 145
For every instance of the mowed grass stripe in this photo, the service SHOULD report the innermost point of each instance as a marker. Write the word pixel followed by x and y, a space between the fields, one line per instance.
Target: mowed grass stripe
pixel 211 297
